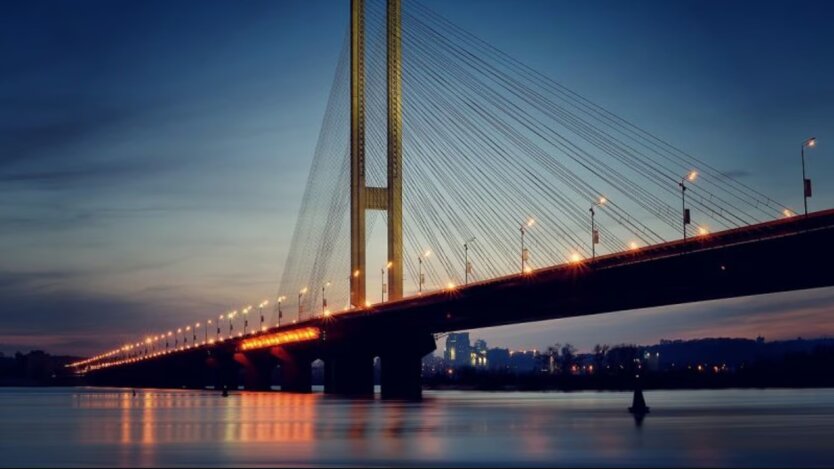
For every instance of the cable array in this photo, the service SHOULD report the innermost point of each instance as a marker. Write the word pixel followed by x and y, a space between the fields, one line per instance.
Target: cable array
pixel 490 143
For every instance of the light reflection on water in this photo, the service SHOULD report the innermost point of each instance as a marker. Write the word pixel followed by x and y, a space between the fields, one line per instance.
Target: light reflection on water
pixel 107 427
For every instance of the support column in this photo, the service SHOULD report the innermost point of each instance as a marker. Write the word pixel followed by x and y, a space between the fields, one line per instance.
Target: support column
pixel 357 153
pixel 224 370
pixel 349 374
pixel 402 368
pixel 296 371
pixel 257 370
pixel 395 184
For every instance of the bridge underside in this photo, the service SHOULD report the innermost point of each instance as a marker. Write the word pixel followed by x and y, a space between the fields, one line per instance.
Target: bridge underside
pixel 786 255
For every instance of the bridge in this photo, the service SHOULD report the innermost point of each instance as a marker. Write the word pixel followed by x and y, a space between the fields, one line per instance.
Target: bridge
pixel 472 139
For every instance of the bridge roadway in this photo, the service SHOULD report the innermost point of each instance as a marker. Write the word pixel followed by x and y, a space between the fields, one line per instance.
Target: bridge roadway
pixel 787 254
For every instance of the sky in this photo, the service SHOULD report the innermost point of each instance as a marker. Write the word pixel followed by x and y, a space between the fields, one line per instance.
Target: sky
pixel 153 155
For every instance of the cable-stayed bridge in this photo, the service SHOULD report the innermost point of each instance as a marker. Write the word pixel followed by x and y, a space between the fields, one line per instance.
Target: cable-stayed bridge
pixel 505 196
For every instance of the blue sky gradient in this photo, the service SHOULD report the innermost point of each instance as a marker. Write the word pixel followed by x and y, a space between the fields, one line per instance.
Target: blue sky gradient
pixel 153 154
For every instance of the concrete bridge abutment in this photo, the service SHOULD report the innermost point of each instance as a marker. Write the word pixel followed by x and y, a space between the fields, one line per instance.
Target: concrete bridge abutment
pixel 402 367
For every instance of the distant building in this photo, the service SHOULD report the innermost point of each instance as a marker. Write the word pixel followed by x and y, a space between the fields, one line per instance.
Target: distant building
pixel 458 349
pixel 498 359
pixel 525 361
pixel 478 354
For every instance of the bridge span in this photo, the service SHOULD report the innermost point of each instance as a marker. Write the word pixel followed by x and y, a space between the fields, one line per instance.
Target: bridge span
pixel 793 253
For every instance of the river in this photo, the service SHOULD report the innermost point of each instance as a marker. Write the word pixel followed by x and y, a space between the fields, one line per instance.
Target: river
pixel 112 427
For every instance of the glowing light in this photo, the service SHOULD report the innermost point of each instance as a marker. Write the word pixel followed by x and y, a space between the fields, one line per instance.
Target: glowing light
pixel 811 142
pixel 703 231
pixel 633 246
pixel 787 213
pixel 528 269
pixel 427 253
pixel 602 200
pixel 575 258
pixel 303 290
pixel 389 264
pixel 327 313
pixel 531 222
pixel 356 273
pixel 367 303
pixel 693 175
pixel 450 286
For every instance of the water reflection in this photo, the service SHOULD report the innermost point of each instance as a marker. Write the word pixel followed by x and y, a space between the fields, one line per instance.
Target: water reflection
pixel 172 427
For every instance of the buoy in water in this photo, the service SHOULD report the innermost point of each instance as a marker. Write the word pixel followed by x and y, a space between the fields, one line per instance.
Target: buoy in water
pixel 638 403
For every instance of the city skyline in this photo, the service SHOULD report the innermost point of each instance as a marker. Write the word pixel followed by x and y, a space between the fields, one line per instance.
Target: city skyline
pixel 161 187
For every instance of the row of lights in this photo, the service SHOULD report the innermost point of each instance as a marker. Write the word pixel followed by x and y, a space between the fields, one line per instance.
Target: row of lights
pixel 141 348
pixel 574 258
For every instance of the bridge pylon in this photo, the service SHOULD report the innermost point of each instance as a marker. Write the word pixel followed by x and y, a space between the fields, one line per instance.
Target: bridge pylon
pixel 362 197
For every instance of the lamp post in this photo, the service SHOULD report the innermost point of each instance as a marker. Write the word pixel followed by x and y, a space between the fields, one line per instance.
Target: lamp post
pixel 280 313
pixel 420 277
pixel 467 267
pixel 208 323
pixel 806 183
pixel 594 233
pixel 324 298
pixel 300 306
pixel 382 279
pixel 686 219
pixel 261 312
pixel 524 254
pixel 196 326
pixel 177 339
pixel 231 327
pixel 218 326
pixel 350 287
pixel 246 318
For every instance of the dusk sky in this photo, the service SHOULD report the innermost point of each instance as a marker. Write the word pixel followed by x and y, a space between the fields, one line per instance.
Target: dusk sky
pixel 153 155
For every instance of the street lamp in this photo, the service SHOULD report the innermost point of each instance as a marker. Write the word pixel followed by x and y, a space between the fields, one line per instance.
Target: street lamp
pixel 350 287
pixel 185 337
pixel 218 326
pixel 467 267
pixel 300 294
pixel 594 233
pixel 196 326
pixel 246 318
pixel 208 323
pixel 523 229
pixel 177 338
pixel 280 313
pixel 231 316
pixel 689 177
pixel 261 312
pixel 382 279
pixel 324 298
pixel 806 183
pixel 421 279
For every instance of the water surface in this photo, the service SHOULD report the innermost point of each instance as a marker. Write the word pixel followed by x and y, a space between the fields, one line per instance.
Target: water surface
pixel 111 427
